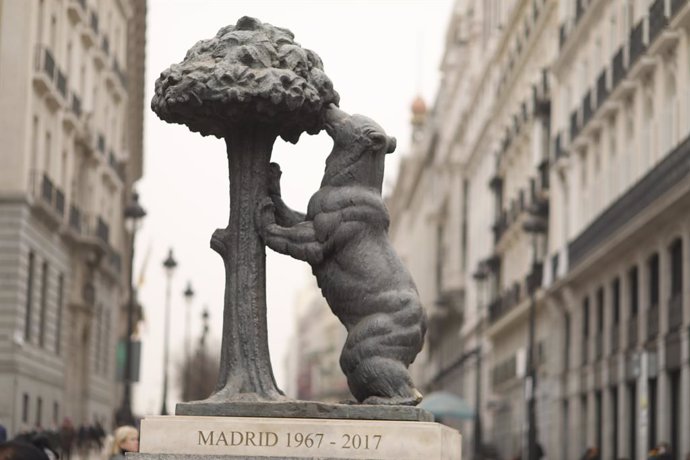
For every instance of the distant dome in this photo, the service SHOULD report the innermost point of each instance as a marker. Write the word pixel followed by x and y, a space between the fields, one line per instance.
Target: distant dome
pixel 418 106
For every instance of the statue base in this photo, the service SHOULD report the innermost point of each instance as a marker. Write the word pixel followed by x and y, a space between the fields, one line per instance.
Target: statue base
pixel 211 438
pixel 303 409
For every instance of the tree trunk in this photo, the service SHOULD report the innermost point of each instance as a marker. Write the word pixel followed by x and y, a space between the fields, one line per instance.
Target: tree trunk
pixel 245 366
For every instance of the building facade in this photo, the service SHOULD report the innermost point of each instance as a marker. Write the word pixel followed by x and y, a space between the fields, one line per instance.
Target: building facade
pixel 71 93
pixel 543 212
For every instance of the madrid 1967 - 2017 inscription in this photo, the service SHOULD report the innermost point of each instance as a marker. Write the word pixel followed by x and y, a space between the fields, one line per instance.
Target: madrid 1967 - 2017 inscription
pixel 289 439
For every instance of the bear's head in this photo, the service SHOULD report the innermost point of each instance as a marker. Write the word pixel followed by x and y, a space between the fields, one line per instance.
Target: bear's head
pixel 359 149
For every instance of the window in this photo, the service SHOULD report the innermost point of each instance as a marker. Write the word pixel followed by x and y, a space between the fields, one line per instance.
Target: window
pixel 676 253
pixel 47 150
pixel 566 347
pixel 653 271
pixel 616 298
pixel 633 292
pixel 600 310
pixel 585 318
pixel 39 412
pixel 56 412
pixel 25 408
pixel 465 216
pixel 44 301
pixel 60 300
pixel 29 298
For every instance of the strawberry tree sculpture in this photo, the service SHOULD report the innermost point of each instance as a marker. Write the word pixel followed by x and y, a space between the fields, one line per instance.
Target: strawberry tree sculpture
pixel 248 85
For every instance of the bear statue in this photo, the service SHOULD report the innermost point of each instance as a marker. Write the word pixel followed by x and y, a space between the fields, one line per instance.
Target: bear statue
pixel 344 237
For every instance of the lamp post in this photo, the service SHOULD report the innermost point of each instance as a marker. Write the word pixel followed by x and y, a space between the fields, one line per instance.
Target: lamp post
pixel 169 264
pixel 133 214
pixel 480 277
pixel 202 347
pixel 189 297
pixel 535 225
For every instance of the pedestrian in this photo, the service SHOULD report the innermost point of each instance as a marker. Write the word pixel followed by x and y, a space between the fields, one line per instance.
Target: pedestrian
pixel 18 450
pixel 3 433
pixel 125 439
pixel 663 452
pixel 67 437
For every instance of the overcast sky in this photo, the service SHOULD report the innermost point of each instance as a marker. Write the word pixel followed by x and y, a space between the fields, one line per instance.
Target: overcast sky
pixel 379 54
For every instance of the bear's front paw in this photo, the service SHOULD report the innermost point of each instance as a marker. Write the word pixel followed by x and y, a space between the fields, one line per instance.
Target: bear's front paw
pixel 274 174
pixel 265 215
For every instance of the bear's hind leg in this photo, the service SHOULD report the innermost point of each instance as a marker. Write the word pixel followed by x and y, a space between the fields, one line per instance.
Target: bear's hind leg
pixel 380 380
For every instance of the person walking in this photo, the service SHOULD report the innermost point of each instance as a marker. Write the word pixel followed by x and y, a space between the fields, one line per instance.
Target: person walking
pixel 125 439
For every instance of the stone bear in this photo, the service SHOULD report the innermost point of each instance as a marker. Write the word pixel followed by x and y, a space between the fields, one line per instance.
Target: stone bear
pixel 344 237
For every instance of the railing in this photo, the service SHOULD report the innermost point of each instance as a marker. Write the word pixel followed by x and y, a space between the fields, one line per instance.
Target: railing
pixel 637 45
pixel 618 67
pixel 632 332
pixel 75 218
pixel 657 19
pixel 652 322
pixel 505 302
pixel 675 313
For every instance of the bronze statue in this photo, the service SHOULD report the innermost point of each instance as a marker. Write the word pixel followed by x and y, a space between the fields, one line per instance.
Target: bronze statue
pixel 248 85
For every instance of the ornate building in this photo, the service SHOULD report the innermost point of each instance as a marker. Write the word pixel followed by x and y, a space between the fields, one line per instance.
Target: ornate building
pixel 544 207
pixel 71 109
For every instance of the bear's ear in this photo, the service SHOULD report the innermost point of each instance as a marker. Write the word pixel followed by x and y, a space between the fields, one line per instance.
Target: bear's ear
pixel 392 143
pixel 379 141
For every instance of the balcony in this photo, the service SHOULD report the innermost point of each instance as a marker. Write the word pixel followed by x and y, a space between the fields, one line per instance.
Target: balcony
pixel 675 313
pixel 657 19
pixel 652 322
pixel 48 200
pixel 632 332
pixel 505 302
pixel 76 11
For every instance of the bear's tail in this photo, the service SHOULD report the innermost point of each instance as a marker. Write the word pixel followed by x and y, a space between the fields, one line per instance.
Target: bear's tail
pixel 378 350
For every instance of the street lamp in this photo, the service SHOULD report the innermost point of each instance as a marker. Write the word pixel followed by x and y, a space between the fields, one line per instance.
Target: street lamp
pixel 202 348
pixel 189 297
pixel 169 264
pixel 133 214
pixel 480 277
pixel 535 225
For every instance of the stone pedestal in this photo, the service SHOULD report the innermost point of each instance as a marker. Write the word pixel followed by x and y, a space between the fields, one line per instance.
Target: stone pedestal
pixel 207 438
